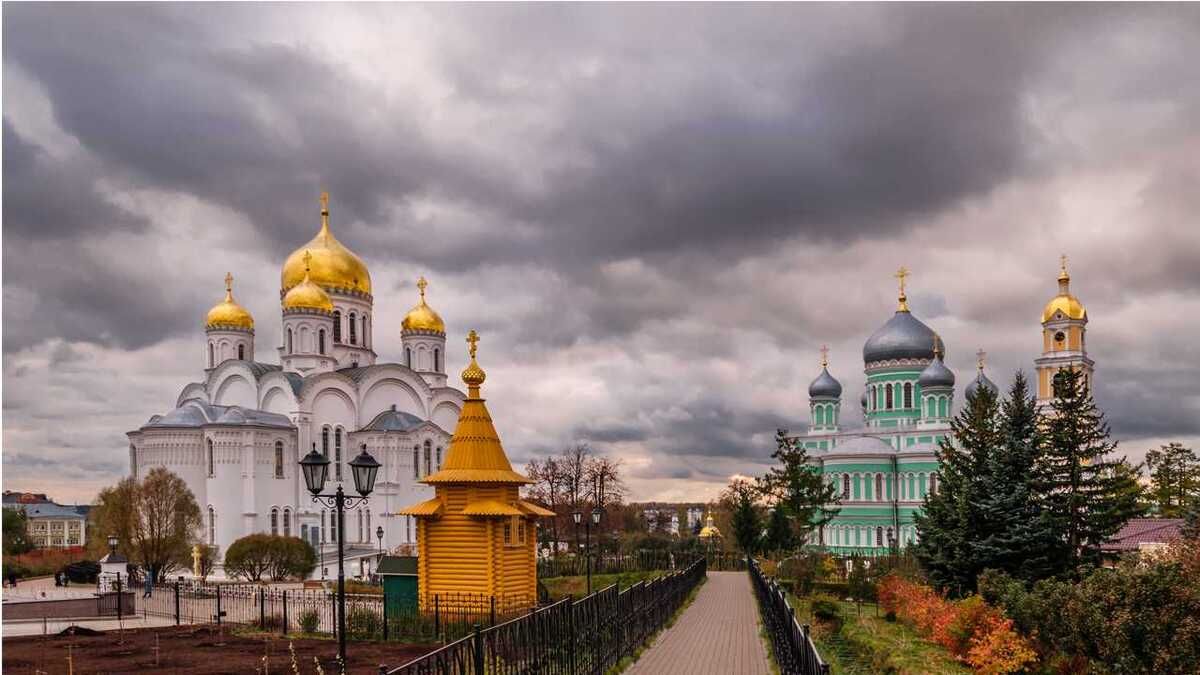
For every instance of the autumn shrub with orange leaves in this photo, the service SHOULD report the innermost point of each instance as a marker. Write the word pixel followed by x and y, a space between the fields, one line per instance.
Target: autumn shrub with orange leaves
pixel 970 629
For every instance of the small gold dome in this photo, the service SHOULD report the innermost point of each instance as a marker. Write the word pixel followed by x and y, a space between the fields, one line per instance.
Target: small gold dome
pixel 422 317
pixel 1064 302
pixel 227 313
pixel 332 266
pixel 306 294
pixel 709 531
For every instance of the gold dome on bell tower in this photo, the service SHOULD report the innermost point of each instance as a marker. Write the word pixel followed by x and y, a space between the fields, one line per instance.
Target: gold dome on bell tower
pixel 228 313
pixel 422 317
pixel 333 266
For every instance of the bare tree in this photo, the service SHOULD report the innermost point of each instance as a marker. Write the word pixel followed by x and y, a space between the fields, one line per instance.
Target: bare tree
pixel 549 482
pixel 574 463
pixel 604 476
pixel 156 519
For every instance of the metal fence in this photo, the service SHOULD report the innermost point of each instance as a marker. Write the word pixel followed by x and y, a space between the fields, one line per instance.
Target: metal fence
pixel 449 617
pixel 641 561
pixel 569 637
pixel 794 649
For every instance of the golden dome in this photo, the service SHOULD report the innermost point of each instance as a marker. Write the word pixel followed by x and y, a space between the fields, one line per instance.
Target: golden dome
pixel 709 531
pixel 333 266
pixel 422 317
pixel 306 294
pixel 1064 302
pixel 227 313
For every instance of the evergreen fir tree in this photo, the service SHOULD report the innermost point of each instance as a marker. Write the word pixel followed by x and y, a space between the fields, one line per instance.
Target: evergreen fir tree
pixel 1087 495
pixel 952 518
pixel 739 499
pixel 807 499
pixel 1020 540
pixel 779 530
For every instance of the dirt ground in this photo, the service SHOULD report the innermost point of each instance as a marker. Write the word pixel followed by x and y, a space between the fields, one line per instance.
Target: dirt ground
pixel 194 649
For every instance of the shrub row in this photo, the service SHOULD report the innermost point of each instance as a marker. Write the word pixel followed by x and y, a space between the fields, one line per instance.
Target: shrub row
pixel 970 629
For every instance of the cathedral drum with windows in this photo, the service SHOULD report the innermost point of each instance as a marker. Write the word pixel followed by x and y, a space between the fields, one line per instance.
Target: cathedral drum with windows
pixel 883 471
pixel 236 437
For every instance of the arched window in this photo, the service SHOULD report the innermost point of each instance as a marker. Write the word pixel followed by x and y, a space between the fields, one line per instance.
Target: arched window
pixel 908 395
pixel 325 441
pixel 274 521
pixel 408 356
pixel 210 355
pixel 888 396
pixel 363 318
pixel 321 341
pixel 360 525
pixel 289 341
pixel 845 486
pixel 878 487
pixel 439 458
pixel 353 330
pixel 416 461
pixel 212 527
pixel 337 454
pixel 287 522
pixel 279 459
pixel 428 457
pixel 879 536
pixel 933 483
pixel 437 361
pixel 241 352
pixel 212 462
pixel 337 327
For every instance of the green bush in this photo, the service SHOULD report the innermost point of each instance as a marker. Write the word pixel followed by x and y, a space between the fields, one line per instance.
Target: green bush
pixel 825 610
pixel 309 621
pixel 363 622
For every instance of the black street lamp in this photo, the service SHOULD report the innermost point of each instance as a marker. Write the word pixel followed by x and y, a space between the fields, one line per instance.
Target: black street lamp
pixel 578 517
pixel 379 536
pixel 364 468
pixel 112 544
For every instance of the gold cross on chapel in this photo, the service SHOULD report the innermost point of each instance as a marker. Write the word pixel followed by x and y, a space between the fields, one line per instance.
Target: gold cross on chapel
pixel 421 284
pixel 824 355
pixel 981 355
pixel 1062 260
pixel 228 282
pixel 473 341
pixel 324 202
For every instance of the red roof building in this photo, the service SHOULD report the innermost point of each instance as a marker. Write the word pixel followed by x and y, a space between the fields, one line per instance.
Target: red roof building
pixel 1140 534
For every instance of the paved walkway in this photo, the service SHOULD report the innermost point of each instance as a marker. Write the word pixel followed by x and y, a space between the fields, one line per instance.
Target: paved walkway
pixel 717 634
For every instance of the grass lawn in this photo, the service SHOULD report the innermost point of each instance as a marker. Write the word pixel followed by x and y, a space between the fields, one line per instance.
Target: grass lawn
pixel 870 644
pixel 561 587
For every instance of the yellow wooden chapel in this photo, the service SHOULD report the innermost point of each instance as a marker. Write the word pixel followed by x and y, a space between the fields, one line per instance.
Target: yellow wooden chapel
pixel 476 535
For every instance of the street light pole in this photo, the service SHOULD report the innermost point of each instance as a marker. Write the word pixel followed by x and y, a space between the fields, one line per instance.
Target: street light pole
pixel 315 467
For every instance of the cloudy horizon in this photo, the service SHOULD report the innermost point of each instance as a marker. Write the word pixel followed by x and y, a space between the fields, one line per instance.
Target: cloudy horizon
pixel 654 215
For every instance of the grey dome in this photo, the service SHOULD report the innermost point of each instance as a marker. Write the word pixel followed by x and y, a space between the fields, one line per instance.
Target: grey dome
pixel 902 337
pixel 394 420
pixel 981 380
pixel 936 374
pixel 825 386
pixel 861 445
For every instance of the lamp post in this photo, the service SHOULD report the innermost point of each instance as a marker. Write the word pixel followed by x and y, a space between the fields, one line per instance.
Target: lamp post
pixel 587 531
pixel 379 536
pixel 112 544
pixel 316 470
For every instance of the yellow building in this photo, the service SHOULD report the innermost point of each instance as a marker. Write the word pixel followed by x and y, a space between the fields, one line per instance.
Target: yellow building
pixel 1064 339
pixel 476 535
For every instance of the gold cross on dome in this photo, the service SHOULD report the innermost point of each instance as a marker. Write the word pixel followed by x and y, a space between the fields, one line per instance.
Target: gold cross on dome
pixel 421 284
pixel 473 341
pixel 981 355
pixel 228 282
pixel 902 274
pixel 324 201
pixel 1062 260
pixel 307 259
pixel 824 355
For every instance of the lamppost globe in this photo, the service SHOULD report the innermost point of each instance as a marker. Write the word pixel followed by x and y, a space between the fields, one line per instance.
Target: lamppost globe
pixel 578 516
pixel 365 468
pixel 112 543
pixel 379 533
pixel 596 513
pixel 315 467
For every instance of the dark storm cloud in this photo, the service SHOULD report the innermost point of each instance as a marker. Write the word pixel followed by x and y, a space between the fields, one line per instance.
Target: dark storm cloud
pixel 695 194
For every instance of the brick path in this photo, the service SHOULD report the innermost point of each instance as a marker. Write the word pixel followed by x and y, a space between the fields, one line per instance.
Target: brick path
pixel 717 634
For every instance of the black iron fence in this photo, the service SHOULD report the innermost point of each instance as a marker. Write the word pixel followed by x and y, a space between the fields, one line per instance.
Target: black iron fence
pixel 569 637
pixel 794 649
pixel 641 561
pixel 296 610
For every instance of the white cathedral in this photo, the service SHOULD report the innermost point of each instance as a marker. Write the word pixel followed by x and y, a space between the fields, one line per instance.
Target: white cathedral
pixel 236 436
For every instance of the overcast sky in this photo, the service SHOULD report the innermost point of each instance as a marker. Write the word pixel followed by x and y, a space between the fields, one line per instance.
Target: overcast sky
pixel 654 215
